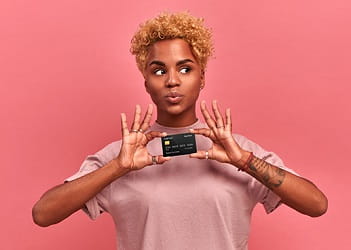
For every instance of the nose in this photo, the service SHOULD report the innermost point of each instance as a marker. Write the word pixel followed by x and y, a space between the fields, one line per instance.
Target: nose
pixel 172 79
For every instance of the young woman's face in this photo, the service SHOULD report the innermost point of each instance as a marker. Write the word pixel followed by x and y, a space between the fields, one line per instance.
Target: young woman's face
pixel 173 78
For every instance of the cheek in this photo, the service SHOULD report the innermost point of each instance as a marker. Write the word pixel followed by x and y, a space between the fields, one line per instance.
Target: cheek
pixel 151 85
pixel 195 83
pixel 153 91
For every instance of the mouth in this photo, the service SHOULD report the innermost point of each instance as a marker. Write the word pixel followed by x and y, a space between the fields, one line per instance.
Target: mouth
pixel 174 97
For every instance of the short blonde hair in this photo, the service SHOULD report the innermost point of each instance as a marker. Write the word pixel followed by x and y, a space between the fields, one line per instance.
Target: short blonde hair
pixel 170 26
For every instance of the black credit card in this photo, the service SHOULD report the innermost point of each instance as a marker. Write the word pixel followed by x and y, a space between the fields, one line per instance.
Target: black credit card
pixel 178 144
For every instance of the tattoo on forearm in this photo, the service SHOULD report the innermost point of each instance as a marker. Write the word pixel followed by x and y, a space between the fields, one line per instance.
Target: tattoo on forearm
pixel 268 174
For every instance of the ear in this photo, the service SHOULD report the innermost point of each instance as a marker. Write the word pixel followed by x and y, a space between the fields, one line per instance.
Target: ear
pixel 202 77
pixel 146 87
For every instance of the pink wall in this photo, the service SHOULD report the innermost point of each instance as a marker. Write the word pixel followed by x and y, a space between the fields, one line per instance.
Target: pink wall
pixel 66 74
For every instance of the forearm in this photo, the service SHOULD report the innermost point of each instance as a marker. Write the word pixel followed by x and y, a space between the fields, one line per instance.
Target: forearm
pixel 296 192
pixel 61 201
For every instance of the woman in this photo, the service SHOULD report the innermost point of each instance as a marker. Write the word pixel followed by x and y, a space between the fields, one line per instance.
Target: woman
pixel 196 201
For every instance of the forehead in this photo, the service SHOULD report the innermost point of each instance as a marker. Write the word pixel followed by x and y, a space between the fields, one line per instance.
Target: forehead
pixel 170 50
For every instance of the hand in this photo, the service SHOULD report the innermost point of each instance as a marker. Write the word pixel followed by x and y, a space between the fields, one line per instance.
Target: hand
pixel 133 154
pixel 224 148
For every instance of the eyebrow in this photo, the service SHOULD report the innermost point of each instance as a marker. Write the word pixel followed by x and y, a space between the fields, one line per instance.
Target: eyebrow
pixel 177 64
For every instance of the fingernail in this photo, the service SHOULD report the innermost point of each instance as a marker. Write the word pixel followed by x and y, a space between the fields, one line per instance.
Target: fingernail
pixel 191 130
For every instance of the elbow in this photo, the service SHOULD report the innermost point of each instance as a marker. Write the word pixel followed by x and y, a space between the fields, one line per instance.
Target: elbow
pixel 321 206
pixel 38 217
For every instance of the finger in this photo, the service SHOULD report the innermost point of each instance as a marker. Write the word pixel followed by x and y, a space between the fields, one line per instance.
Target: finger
pixel 136 122
pixel 153 134
pixel 210 122
pixel 228 122
pixel 201 154
pixel 158 159
pixel 201 131
pixel 124 126
pixel 147 118
pixel 161 159
pixel 218 115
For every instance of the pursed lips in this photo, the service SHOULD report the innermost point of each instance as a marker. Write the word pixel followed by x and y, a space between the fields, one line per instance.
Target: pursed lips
pixel 174 97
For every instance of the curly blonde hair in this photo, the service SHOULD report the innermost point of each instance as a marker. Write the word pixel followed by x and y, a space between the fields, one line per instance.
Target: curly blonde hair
pixel 170 26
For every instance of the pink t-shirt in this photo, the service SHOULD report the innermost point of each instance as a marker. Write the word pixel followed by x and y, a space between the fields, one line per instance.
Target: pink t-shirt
pixel 183 204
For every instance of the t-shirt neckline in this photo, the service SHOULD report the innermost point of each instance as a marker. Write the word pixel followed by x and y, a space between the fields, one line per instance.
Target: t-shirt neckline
pixel 158 127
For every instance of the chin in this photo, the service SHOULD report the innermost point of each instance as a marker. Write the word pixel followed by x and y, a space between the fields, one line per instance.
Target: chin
pixel 178 110
pixel 174 110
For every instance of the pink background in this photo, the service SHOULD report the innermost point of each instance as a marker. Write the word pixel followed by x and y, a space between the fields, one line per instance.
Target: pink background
pixel 66 74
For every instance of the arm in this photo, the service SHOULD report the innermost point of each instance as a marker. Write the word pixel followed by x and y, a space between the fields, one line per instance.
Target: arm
pixel 63 200
pixel 296 192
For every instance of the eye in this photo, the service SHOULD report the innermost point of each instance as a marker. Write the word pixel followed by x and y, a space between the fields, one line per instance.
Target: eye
pixel 159 72
pixel 185 70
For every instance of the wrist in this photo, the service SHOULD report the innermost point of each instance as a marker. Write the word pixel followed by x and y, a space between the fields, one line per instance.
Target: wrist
pixel 245 159
pixel 117 169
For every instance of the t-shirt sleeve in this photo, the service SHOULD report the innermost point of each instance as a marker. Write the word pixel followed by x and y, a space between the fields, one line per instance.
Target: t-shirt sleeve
pixel 99 203
pixel 257 190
